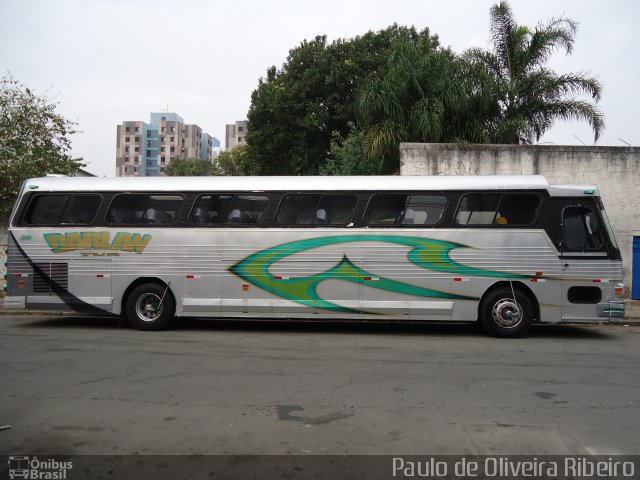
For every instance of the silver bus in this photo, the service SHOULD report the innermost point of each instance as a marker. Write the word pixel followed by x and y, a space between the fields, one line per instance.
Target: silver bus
pixel 508 251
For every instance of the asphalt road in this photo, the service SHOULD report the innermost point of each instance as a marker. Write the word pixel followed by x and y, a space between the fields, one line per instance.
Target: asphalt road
pixel 72 385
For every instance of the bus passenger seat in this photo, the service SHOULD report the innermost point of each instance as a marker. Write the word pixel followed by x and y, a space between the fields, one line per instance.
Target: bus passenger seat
pixel 321 217
pixel 409 215
pixel 234 216
pixel 199 216
pixel 157 217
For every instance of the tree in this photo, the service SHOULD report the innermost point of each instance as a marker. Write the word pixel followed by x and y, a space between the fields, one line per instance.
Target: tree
pixel 347 156
pixel 34 140
pixel 527 96
pixel 423 95
pixel 296 110
pixel 189 167
pixel 235 162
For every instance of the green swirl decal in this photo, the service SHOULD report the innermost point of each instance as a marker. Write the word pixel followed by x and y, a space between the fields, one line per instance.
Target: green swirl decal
pixel 425 252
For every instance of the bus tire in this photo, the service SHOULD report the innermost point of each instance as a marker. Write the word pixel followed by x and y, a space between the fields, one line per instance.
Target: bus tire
pixel 150 306
pixel 500 316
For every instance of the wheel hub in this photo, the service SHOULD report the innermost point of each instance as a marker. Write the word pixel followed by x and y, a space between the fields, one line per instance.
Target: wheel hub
pixel 149 307
pixel 507 313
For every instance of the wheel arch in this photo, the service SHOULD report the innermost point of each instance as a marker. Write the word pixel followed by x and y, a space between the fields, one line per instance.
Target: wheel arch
pixel 141 280
pixel 517 285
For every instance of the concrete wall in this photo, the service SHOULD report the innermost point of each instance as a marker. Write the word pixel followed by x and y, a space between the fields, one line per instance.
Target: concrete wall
pixel 615 170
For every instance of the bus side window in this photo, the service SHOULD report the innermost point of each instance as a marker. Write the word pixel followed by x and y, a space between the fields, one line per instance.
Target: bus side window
pixel 397 209
pixel 581 230
pixel 127 208
pixel 424 209
pixel 62 209
pixel 297 209
pixel 163 209
pixel 80 209
pixel 45 209
pixel 478 209
pixel 386 209
pixel 335 210
pixel 517 209
pixel 144 209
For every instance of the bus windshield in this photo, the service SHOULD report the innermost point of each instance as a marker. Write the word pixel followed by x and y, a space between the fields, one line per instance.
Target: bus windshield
pixel 605 218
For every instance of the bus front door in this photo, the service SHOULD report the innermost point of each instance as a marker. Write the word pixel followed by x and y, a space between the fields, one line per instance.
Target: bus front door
pixel 585 268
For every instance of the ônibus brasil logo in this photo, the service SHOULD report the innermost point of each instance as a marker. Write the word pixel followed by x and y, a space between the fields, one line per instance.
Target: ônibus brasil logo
pixel 33 468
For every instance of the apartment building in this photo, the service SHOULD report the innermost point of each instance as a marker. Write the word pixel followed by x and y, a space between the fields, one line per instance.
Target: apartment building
pixel 147 149
pixel 235 135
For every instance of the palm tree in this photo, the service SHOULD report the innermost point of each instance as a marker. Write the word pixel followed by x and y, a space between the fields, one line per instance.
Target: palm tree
pixel 423 96
pixel 528 96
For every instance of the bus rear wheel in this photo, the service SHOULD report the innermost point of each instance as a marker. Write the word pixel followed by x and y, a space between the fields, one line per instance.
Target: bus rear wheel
pixel 502 316
pixel 150 306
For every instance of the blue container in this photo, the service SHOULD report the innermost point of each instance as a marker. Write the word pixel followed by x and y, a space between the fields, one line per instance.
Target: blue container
pixel 635 281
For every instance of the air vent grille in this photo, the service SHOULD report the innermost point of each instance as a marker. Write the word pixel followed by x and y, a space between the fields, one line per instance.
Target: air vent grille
pixel 47 275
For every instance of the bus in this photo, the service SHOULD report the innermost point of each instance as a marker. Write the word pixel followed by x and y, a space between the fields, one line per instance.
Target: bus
pixel 507 251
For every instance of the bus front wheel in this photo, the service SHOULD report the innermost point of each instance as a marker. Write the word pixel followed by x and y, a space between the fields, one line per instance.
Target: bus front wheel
pixel 501 316
pixel 150 306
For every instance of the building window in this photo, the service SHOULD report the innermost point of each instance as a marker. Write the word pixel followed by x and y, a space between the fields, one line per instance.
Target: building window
pixel 137 139
pixel 173 129
pixel 162 149
pixel 239 139
pixel 240 129
pixel 163 128
pixel 128 129
pixel 137 149
pixel 148 133
pixel 173 149
pixel 173 139
pixel 162 159
pixel 162 139
pixel 126 149
pixel 137 129
pixel 126 139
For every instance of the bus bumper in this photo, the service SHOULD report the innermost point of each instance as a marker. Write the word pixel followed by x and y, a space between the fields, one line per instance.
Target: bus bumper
pixel 614 310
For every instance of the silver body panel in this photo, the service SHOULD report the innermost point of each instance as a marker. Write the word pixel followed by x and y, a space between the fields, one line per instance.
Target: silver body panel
pixel 351 273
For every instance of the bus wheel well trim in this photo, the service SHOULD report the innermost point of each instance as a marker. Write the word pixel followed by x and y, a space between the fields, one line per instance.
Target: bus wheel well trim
pixel 517 285
pixel 144 289
pixel 502 317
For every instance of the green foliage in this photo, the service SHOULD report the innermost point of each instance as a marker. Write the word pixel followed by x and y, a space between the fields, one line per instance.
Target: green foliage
pixel 423 95
pixel 189 167
pixel 236 162
pixel 296 110
pixel 528 97
pixel 345 107
pixel 34 140
pixel 347 157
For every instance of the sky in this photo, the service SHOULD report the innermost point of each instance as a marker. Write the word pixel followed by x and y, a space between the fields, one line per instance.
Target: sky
pixel 107 61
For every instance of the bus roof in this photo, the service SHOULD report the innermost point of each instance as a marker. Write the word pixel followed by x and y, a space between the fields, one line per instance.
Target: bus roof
pixel 308 183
